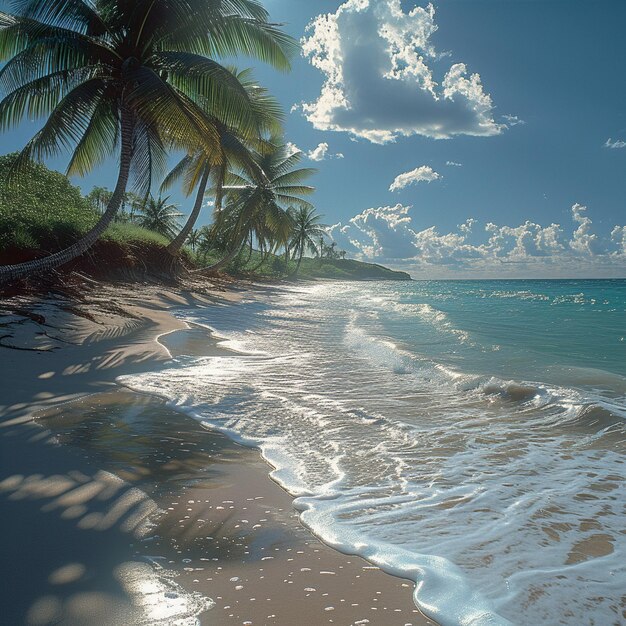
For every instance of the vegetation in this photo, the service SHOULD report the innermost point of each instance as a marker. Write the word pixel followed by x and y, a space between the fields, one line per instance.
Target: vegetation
pixel 258 201
pixel 40 210
pixel 43 212
pixel 139 76
pixel 159 216
pixel 272 266
pixel 200 166
pixel 348 269
pixel 138 81
pixel 307 229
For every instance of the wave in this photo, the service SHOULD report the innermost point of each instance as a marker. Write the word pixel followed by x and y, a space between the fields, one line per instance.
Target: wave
pixel 489 493
pixel 573 404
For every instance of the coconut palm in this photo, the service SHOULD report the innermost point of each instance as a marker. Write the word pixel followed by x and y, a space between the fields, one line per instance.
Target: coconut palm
pixel 306 228
pixel 160 216
pixel 99 198
pixel 258 204
pixel 199 166
pixel 194 238
pixel 138 76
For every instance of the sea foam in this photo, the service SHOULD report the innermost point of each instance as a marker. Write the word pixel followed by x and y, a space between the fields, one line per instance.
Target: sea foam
pixel 499 495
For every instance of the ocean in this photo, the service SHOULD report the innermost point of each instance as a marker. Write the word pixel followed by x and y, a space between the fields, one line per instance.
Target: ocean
pixel 468 435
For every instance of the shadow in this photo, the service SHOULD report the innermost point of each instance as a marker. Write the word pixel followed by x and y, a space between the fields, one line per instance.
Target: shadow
pixel 74 514
pixel 138 438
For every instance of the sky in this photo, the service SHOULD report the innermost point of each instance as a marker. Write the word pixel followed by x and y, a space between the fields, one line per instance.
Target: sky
pixel 459 139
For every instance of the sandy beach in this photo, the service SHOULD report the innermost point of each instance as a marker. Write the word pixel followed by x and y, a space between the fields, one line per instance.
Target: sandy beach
pixel 118 510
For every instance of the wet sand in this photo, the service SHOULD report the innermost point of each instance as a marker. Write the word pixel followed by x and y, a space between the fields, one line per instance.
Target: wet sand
pixel 117 510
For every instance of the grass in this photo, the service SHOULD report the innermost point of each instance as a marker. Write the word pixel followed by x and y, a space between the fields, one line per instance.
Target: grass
pixel 127 234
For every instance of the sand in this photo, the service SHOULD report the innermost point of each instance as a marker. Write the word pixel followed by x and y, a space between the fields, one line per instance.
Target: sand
pixel 117 510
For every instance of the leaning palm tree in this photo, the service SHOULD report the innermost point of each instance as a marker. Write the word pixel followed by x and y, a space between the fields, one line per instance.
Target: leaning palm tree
pixel 138 76
pixel 257 205
pixel 200 167
pixel 160 216
pixel 307 227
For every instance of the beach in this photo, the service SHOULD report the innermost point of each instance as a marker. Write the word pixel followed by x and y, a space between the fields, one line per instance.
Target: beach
pixel 117 509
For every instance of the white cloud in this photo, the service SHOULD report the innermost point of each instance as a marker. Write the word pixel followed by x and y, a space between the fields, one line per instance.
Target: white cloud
pixel 513 120
pixel 383 232
pixel 453 164
pixel 291 148
pixel 468 225
pixel 321 152
pixel 618 235
pixel 584 241
pixel 387 234
pixel 380 83
pixel 424 173
pixel 617 144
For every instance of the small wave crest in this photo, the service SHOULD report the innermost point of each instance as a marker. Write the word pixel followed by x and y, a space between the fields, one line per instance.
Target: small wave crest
pixel 427 467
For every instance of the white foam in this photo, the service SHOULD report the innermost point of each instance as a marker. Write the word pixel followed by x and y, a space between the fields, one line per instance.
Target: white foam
pixel 488 493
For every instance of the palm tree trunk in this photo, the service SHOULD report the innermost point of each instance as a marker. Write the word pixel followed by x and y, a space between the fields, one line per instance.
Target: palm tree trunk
pixel 299 260
pixel 13 272
pixel 249 252
pixel 176 245
pixel 263 258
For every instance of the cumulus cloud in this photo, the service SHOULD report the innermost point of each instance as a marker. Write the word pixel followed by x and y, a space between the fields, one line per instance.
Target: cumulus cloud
pixel 618 235
pixel 381 76
pixel 423 173
pixel 513 120
pixel 453 164
pixel 615 145
pixel 382 232
pixel 388 234
pixel 584 241
pixel 321 152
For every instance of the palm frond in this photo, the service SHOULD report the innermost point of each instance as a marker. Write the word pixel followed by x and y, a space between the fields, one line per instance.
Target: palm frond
pixel 98 142
pixel 66 13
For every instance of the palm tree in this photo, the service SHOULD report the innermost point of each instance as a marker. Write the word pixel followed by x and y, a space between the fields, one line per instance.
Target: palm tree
pixel 138 76
pixel 99 198
pixel 306 227
pixel 194 238
pixel 159 216
pixel 322 247
pixel 199 166
pixel 134 202
pixel 257 204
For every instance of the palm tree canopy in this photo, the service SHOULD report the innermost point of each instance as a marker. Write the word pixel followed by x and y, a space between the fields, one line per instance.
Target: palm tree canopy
pixel 85 64
pixel 259 204
pixel 234 149
pixel 194 238
pixel 159 215
pixel 307 230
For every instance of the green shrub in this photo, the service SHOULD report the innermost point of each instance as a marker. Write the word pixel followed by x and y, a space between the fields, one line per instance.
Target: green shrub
pixel 40 208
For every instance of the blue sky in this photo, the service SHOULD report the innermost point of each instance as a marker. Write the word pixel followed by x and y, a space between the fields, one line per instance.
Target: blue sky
pixel 493 117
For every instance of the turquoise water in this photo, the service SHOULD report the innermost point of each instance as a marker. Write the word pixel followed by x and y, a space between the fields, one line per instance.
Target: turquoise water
pixel 536 324
pixel 468 435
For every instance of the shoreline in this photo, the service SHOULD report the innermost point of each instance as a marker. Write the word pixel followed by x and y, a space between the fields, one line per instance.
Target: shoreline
pixel 91 354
